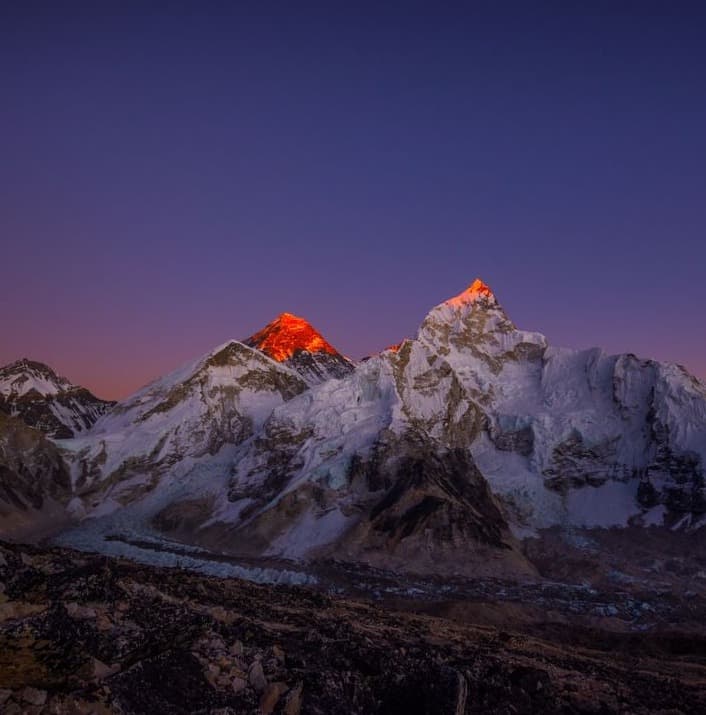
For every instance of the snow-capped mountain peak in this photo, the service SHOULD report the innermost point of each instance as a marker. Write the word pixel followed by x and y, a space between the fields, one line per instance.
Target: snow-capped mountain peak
pixel 23 376
pixel 292 340
pixel 33 392
pixel 286 335
pixel 472 317
pixel 477 291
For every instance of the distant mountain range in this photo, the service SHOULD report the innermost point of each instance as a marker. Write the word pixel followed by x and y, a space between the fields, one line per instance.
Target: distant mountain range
pixel 439 455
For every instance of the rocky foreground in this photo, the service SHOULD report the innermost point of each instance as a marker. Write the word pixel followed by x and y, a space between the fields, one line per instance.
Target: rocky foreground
pixel 87 634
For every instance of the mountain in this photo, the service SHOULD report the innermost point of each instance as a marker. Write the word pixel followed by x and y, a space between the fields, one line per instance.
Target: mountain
pixel 558 437
pixel 293 341
pixel 443 455
pixel 33 392
pixel 601 439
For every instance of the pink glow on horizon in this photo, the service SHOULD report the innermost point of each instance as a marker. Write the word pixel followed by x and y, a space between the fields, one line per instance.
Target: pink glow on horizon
pixel 111 371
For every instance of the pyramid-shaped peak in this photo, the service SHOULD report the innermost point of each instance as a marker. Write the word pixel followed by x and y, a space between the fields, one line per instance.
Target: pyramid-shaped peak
pixel 478 290
pixel 288 334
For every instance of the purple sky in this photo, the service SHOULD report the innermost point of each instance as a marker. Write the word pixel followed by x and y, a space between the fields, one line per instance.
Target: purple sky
pixel 174 178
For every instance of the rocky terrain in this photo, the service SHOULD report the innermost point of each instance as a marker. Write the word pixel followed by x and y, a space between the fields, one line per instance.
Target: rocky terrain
pixel 82 633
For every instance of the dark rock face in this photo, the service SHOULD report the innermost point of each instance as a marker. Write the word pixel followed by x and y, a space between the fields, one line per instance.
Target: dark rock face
pixel 425 508
pixel 647 495
pixel 520 440
pixel 680 474
pixel 437 494
pixel 673 478
pixel 576 464
pixel 410 504
pixel 85 634
pixel 319 367
pixel 31 468
pixel 36 411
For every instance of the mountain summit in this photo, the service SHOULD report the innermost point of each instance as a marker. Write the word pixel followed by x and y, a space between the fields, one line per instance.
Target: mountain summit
pixel 293 341
pixel 33 392
pixel 474 317
pixel 24 376
pixel 286 335
pixel 478 290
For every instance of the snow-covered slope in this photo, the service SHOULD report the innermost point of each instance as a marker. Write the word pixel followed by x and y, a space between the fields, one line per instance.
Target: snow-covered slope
pixel 220 399
pixel 293 341
pixel 33 392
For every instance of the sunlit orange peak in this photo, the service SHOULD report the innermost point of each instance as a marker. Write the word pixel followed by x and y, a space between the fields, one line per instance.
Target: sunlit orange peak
pixel 287 334
pixel 477 289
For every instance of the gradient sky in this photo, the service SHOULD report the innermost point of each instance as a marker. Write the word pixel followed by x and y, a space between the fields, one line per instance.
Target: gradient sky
pixel 174 177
